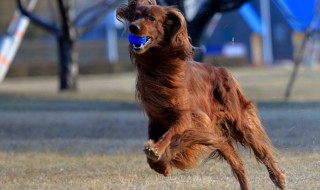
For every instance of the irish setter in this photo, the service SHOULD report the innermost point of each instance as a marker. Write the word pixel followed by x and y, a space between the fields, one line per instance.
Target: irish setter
pixel 196 111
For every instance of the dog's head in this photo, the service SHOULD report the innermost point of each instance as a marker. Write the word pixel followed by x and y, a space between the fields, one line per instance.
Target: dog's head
pixel 154 26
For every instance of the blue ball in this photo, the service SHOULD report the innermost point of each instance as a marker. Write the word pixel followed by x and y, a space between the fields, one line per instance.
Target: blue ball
pixel 136 40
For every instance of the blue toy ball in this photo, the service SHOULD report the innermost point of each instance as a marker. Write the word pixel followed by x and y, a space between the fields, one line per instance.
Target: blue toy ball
pixel 136 40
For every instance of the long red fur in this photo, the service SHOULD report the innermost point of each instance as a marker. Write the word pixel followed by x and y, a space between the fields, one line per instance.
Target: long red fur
pixel 196 111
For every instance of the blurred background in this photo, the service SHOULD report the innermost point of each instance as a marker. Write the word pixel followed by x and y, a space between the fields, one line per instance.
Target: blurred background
pixel 72 38
pixel 241 36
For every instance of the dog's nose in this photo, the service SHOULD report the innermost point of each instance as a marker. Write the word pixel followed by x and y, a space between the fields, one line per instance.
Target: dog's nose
pixel 134 28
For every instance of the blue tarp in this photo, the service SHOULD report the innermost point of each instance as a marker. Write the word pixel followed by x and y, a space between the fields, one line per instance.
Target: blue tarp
pixel 302 10
pixel 251 17
pixel 298 13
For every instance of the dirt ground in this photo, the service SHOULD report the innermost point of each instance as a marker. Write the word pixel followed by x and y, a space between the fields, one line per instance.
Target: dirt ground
pixel 93 139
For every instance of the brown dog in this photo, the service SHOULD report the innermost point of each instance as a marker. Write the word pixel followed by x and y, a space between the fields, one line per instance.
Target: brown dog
pixel 195 110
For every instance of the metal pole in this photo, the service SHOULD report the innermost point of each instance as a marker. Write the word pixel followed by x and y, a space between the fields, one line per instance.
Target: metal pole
pixel 266 32
pixel 12 40
pixel 111 38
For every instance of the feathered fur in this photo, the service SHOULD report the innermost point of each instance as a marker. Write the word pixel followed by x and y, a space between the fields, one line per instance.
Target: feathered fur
pixel 196 111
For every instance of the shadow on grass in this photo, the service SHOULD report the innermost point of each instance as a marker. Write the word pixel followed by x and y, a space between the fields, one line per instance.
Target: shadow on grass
pixel 103 127
pixel 288 104
pixel 28 104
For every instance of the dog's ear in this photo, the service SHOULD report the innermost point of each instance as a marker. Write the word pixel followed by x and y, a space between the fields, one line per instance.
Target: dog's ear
pixel 125 13
pixel 176 28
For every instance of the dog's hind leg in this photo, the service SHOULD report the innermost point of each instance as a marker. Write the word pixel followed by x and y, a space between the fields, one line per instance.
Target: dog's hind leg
pixel 231 155
pixel 255 136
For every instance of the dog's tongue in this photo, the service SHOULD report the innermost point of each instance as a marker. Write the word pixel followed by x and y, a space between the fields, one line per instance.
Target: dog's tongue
pixel 136 40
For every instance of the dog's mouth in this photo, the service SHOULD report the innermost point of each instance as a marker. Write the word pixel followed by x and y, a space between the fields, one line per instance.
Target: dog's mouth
pixel 139 43
pixel 139 47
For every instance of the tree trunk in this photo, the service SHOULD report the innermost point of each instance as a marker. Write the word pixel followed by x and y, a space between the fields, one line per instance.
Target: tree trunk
pixel 68 53
pixel 68 67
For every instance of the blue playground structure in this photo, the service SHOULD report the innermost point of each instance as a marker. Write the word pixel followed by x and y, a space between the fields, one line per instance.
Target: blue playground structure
pixel 303 17
pixel 299 14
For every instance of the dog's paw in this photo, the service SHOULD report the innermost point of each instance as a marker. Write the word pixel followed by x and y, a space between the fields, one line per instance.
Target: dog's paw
pixel 279 180
pixel 151 151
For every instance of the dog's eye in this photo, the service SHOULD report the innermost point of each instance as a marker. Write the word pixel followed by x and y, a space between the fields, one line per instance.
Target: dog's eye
pixel 152 19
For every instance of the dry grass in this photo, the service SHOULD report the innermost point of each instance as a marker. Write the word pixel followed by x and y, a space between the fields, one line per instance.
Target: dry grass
pixel 260 84
pixel 129 171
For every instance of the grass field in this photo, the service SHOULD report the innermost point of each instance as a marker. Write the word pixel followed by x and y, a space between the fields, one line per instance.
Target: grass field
pixel 93 139
pixel 129 171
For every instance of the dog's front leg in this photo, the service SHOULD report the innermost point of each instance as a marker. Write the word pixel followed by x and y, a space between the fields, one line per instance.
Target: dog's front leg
pixel 160 166
pixel 155 150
